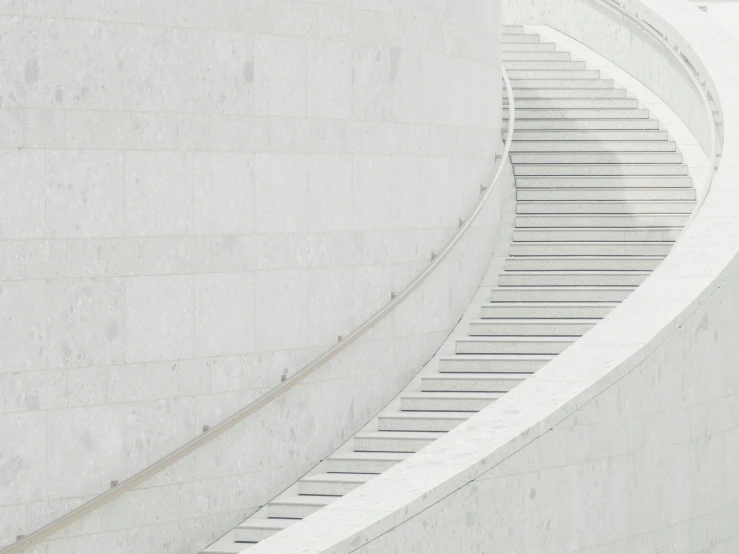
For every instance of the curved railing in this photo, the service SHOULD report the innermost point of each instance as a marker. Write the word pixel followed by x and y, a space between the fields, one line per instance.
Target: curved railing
pixel 275 393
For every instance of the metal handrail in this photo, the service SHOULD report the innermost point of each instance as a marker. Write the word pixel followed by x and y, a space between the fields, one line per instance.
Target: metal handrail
pixel 217 430
pixel 700 86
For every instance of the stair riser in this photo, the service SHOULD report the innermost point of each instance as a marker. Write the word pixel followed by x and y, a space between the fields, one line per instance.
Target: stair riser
pixel 393 424
pixel 612 147
pixel 501 347
pixel 291 512
pixel 567 83
pixel 252 535
pixel 555 312
pixel 587 264
pixel 490 366
pixel 468 385
pixel 358 466
pixel 589 249
pixel 570 280
pixel 390 445
pixel 578 124
pixel 326 489
pixel 574 104
pixel 558 295
pixel 613 207
pixel 635 220
pixel 627 195
pixel 521 39
pixel 586 136
pixel 546 66
pixel 528 47
pixel 596 235
pixel 544 182
pixel 596 158
pixel 548 75
pixel 566 93
pixel 442 405
pixel 536 56
pixel 596 169
pixel 513 29
pixel 579 115
pixel 558 329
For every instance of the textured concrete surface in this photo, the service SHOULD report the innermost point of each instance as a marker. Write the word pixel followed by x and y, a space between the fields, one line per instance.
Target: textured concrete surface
pixel 625 442
pixel 197 196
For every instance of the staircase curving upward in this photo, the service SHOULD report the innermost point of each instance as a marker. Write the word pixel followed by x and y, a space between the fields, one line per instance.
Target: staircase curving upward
pixel 601 194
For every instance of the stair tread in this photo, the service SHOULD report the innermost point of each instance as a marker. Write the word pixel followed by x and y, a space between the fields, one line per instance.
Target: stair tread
pixel 373 456
pixel 408 435
pixel 461 416
pixel 492 376
pixel 304 500
pixel 513 339
pixel 535 304
pixel 266 523
pixel 454 395
pixel 531 321
pixel 336 478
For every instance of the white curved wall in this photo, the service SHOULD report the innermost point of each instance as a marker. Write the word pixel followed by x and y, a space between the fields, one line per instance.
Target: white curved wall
pixel 196 196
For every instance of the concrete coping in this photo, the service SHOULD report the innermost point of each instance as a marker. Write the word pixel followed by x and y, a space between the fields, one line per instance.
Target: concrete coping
pixel 700 262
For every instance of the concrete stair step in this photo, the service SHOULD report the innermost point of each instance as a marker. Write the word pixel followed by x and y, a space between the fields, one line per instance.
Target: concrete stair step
pixel 660 249
pixel 596 158
pixel 552 74
pixel 602 195
pixel 570 82
pixel 570 113
pixel 636 234
pixel 494 363
pixel 363 462
pixel 611 147
pixel 298 507
pixel 604 207
pixel 546 65
pixel 574 104
pixel 601 220
pixel 421 421
pixel 547 310
pixel 475 382
pixel 256 529
pixel 513 29
pixel 394 441
pixel 513 345
pixel 331 484
pixel 529 47
pixel 521 38
pixel 447 401
pixel 591 136
pixel 606 170
pixel 509 327
pixel 564 124
pixel 536 56
pixel 583 263
pixel 606 181
pixel 572 279
pixel 588 94
pixel 224 547
pixel 560 294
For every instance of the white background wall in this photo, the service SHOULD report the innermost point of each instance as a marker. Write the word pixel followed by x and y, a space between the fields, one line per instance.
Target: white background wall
pixel 196 195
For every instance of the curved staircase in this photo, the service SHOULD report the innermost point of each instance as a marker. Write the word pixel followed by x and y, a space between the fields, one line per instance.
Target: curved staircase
pixel 601 194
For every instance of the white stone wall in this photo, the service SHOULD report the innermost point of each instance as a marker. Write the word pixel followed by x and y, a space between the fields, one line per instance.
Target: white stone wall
pixel 196 195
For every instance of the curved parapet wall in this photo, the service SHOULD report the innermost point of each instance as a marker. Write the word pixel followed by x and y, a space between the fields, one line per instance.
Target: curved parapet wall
pixel 626 442
pixel 197 198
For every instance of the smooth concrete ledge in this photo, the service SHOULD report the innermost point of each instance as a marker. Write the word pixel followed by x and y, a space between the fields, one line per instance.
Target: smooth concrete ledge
pixel 627 441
